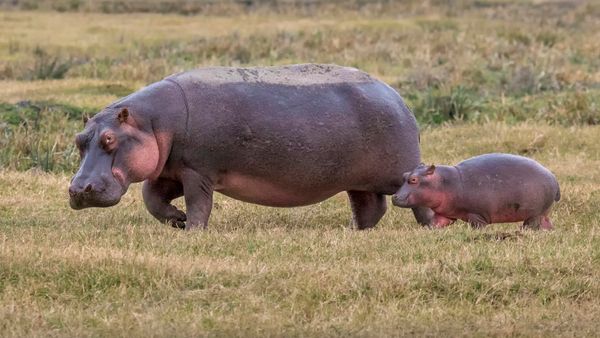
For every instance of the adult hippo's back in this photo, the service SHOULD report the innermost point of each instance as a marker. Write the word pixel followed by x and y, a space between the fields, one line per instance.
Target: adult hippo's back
pixel 277 136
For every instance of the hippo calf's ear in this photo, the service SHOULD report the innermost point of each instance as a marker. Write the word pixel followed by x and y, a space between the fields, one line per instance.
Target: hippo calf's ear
pixel 430 170
pixel 85 117
pixel 123 115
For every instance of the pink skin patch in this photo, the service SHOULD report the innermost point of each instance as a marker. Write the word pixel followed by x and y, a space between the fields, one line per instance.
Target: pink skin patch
pixel 440 221
pixel 120 177
pixel 139 160
pixel 262 191
pixel 546 224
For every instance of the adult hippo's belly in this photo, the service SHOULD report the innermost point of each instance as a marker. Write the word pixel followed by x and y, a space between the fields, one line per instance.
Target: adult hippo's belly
pixel 276 136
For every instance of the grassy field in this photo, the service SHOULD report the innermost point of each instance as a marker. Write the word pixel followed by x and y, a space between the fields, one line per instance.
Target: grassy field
pixel 507 76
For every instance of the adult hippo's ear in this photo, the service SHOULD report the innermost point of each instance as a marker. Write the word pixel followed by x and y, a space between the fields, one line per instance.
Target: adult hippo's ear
pixel 123 115
pixel 430 170
pixel 85 117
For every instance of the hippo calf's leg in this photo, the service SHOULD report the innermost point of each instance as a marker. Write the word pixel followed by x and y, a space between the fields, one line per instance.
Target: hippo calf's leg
pixel 538 222
pixel 158 195
pixel 198 193
pixel 367 208
pixel 424 216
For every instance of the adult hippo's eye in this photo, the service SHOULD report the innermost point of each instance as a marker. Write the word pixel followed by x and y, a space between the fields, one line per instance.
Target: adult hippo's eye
pixel 108 141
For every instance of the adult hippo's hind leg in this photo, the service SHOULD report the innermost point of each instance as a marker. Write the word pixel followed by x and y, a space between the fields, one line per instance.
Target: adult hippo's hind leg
pixel 158 195
pixel 367 208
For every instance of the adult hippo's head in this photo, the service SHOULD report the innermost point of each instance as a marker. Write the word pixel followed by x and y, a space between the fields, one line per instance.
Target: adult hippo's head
pixel 116 150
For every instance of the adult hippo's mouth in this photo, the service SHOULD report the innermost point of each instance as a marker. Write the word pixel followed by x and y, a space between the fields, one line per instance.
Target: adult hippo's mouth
pixel 88 200
pixel 104 192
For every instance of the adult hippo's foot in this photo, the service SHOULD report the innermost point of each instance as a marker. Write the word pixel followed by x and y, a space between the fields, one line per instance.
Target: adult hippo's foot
pixel 367 208
pixel 158 195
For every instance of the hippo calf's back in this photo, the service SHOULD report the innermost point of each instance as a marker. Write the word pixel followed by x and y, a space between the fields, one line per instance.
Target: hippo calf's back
pixel 508 188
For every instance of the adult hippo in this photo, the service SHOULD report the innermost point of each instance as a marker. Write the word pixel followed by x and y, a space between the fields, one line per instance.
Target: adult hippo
pixel 276 136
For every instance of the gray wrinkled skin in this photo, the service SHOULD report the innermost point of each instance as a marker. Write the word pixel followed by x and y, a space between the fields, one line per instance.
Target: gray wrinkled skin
pixel 485 189
pixel 276 136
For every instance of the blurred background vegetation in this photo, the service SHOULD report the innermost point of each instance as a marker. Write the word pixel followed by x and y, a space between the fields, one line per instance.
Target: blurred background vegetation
pixel 465 61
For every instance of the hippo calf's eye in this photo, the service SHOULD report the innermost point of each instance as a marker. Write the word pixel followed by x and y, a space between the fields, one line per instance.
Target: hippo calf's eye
pixel 413 180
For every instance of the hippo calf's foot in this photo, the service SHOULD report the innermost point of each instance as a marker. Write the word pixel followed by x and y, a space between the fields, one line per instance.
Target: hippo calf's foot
pixel 440 221
pixel 537 223
pixel 476 221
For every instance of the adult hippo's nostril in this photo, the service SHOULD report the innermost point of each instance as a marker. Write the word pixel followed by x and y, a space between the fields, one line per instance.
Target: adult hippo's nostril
pixel 76 190
pixel 93 192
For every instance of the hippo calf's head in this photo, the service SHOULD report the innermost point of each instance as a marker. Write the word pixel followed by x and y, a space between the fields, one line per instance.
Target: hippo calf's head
pixel 115 151
pixel 421 188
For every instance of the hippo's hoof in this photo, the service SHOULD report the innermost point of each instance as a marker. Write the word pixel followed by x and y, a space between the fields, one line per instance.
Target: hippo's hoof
pixel 177 224
pixel 178 220
pixel 194 227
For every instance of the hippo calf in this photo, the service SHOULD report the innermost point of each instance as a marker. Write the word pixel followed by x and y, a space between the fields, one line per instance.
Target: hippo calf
pixel 491 188
pixel 277 136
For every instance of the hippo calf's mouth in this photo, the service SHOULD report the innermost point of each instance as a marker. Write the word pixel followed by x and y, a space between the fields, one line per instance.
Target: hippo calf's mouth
pixel 401 202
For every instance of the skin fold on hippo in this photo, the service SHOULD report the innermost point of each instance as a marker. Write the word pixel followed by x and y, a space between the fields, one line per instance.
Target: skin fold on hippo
pixel 276 136
pixel 485 189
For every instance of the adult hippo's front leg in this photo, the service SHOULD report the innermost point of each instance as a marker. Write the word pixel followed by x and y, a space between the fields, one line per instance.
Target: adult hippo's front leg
pixel 158 195
pixel 198 194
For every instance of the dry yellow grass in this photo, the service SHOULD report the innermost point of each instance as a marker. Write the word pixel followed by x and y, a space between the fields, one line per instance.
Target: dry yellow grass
pixel 264 271
pixel 527 73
